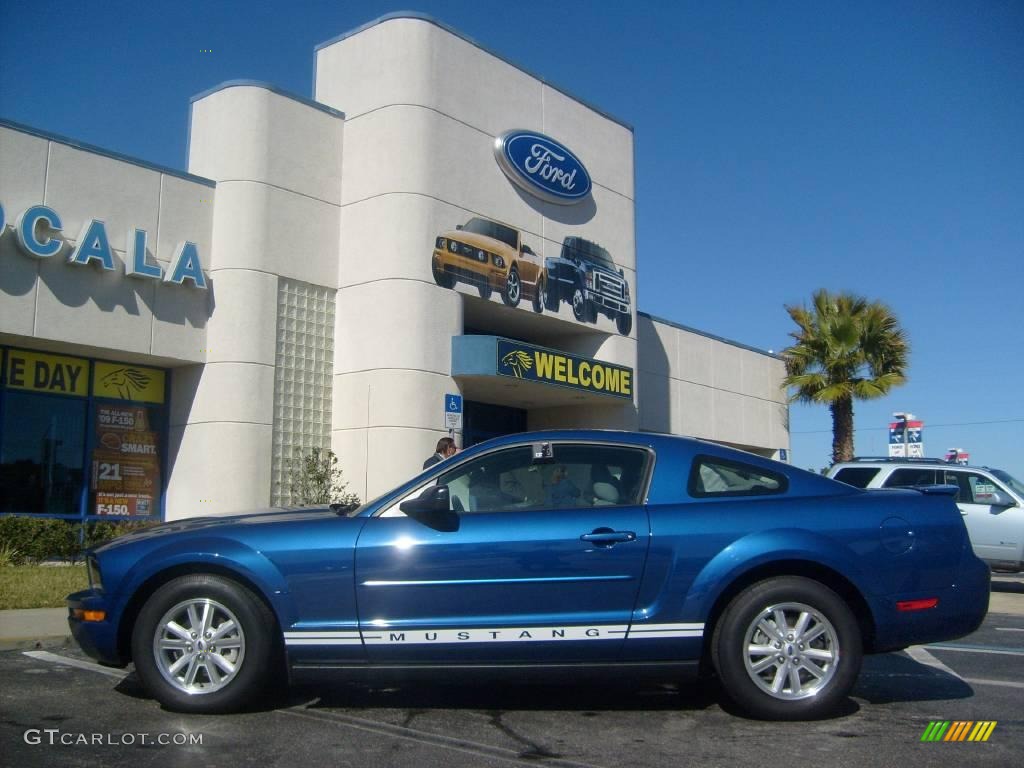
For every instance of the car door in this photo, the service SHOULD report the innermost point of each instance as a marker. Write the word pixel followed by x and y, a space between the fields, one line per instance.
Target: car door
pixel 995 530
pixel 539 560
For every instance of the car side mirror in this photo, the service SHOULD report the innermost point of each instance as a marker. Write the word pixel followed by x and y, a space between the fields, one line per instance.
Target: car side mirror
pixel 995 499
pixel 458 226
pixel 432 508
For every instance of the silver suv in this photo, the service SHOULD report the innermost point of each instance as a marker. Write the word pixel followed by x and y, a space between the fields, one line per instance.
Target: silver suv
pixel 991 500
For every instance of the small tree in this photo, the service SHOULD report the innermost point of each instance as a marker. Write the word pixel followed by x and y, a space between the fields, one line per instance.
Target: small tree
pixel 315 479
pixel 846 349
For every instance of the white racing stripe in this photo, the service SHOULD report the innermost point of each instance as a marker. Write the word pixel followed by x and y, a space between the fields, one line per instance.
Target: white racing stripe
pixel 407 636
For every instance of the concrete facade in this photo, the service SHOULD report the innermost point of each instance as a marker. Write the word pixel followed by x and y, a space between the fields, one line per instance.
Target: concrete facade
pixel 324 322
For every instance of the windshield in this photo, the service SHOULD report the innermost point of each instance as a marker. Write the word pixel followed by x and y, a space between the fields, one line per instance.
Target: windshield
pixel 493 230
pixel 1010 480
pixel 584 249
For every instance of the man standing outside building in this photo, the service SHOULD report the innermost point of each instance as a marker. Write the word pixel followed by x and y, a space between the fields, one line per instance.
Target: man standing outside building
pixel 445 450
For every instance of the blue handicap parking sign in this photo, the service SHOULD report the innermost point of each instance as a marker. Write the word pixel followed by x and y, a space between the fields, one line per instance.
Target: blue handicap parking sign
pixel 453 403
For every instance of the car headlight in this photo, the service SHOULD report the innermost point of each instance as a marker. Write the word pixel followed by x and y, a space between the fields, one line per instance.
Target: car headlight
pixel 441 243
pixel 92 567
pixel 589 279
pixel 499 262
pixel 453 246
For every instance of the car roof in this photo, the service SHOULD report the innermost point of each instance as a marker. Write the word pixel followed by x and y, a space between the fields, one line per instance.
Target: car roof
pixel 885 461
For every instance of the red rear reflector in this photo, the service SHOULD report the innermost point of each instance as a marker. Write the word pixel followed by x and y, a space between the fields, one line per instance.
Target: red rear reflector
pixel 917 605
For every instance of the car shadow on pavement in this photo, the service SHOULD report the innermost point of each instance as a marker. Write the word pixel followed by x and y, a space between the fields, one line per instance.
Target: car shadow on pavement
pixel 1011 587
pixel 895 677
pixel 508 696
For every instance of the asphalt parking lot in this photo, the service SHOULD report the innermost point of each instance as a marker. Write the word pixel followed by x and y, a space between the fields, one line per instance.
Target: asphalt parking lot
pixel 57 707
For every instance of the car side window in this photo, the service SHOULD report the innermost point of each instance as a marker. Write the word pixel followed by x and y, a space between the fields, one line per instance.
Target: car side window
pixel 974 488
pixel 715 477
pixel 858 477
pixel 910 476
pixel 571 476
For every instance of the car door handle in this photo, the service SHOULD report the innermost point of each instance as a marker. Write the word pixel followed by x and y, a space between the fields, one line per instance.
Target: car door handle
pixel 606 537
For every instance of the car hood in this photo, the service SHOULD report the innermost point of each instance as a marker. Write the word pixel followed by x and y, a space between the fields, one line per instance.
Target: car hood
pixel 478 241
pixel 256 517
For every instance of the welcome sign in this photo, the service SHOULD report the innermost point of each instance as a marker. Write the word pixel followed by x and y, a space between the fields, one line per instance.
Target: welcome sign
pixel 530 363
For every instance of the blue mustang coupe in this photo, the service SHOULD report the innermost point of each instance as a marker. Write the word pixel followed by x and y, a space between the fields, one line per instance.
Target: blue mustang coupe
pixel 556 552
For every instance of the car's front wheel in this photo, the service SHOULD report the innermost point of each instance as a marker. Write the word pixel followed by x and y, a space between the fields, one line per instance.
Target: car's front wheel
pixel 203 644
pixel 513 288
pixel 582 308
pixel 787 648
pixel 624 323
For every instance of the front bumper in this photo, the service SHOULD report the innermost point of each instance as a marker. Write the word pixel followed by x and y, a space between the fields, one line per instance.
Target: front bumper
pixel 97 638
pixel 610 303
pixel 468 270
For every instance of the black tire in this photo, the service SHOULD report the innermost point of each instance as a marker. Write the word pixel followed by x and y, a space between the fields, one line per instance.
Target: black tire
pixel 624 323
pixel 748 677
pixel 538 296
pixel 442 278
pixel 551 294
pixel 484 288
pixel 582 307
pixel 513 290
pixel 242 631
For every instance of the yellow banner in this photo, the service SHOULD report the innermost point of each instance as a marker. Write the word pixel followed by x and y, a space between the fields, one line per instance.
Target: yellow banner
pixel 123 381
pixel 39 372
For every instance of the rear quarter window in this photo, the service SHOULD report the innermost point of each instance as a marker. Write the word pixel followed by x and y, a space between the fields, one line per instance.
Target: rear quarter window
pixel 714 477
pixel 858 477
pixel 910 476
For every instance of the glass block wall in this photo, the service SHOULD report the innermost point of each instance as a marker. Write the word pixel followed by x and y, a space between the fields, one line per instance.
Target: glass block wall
pixel 302 378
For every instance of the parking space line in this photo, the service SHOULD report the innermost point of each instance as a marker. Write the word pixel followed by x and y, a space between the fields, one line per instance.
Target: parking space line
pixel 1009 629
pixel 978 649
pixel 432 739
pixel 54 658
pixel 1000 683
pixel 921 656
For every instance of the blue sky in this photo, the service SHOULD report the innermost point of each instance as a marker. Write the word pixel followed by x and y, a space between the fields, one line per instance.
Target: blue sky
pixel 780 147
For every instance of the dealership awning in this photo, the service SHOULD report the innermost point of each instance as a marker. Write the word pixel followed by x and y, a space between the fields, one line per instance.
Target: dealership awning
pixel 493 369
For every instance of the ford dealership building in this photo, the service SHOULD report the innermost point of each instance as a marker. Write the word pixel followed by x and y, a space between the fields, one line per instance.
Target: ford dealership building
pixel 437 239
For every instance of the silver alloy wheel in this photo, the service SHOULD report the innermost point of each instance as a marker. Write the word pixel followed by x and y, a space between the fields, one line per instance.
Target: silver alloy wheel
pixel 199 646
pixel 791 651
pixel 513 287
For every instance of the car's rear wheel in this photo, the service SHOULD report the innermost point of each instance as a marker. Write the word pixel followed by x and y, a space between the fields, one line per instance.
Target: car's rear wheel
pixel 203 644
pixel 551 294
pixel 787 648
pixel 513 288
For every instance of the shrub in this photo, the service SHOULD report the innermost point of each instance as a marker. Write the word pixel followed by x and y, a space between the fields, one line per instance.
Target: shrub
pixel 315 478
pixel 34 539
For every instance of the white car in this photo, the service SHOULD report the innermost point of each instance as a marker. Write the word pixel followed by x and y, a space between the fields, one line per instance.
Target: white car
pixel 990 500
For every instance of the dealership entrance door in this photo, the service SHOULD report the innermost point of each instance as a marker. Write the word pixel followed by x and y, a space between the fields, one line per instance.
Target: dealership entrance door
pixel 482 421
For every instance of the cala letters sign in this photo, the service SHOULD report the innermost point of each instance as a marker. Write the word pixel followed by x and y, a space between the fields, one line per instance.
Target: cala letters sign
pixel 541 166
pixel 39 232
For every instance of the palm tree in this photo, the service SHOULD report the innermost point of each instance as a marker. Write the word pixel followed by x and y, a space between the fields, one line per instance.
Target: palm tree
pixel 846 348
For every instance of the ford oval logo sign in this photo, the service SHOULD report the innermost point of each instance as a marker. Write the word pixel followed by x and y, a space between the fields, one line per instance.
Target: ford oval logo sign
pixel 543 167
